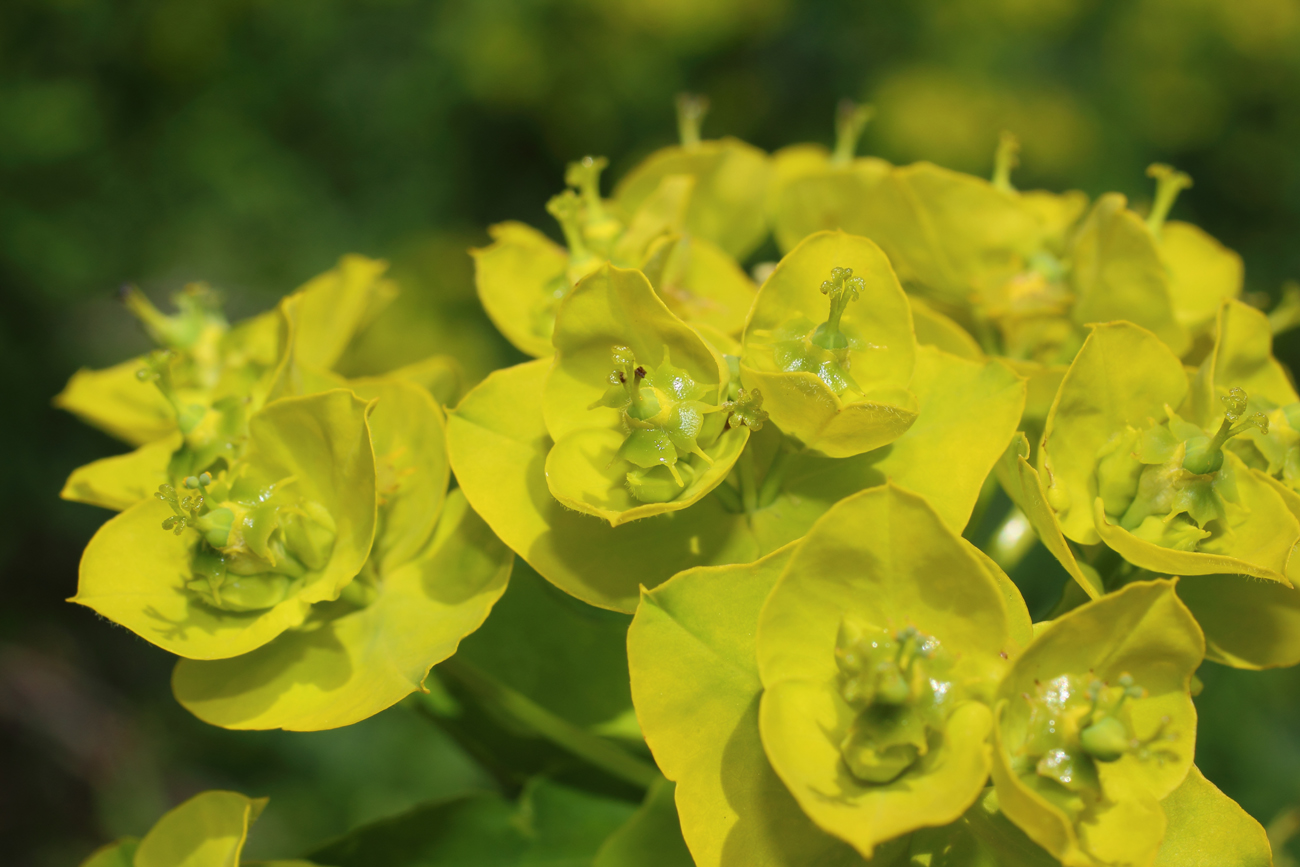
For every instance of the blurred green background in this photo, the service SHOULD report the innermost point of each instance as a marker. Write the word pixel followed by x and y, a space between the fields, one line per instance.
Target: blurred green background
pixel 250 143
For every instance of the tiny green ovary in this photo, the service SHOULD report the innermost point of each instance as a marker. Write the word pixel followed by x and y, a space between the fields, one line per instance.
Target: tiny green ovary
pixel 664 421
pixel 897 684
pixel 1166 483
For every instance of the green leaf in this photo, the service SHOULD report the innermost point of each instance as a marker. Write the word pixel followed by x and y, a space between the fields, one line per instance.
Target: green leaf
pixel 551 825
pixel 1025 488
pixel 1122 377
pixel 1208 829
pixel 336 305
pixel 696 687
pixel 726 206
pixel 208 830
pixel 133 571
pixel 911 571
pixel 121 481
pixel 982 837
pixel 567 656
pixel 440 375
pixel 1118 274
pixel 513 274
pixel 351 664
pixel 498 445
pixel 1248 623
pixel 119 854
pixel 1202 274
pixel 1142 631
pixel 879 324
pixel 651 838
pixel 118 403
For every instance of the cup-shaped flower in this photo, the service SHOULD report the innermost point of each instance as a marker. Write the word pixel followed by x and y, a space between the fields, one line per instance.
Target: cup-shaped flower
pixel 1123 467
pixel 636 404
pixel 730 179
pixel 880 649
pixel 233 559
pixel 815 190
pixel 203 361
pixel 1096 725
pixel 836 380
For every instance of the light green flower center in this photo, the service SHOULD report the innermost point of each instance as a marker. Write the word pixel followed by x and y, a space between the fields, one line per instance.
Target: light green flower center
pixel 664 418
pixel 896 683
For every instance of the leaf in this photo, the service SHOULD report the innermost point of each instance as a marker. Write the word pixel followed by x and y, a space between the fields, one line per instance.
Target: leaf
pixel 348 667
pixel 563 654
pixel 966 409
pixel 1203 273
pixel 911 570
pixel 336 305
pixel 512 275
pixel 440 375
pixel 696 687
pixel 799 402
pixel 1242 358
pixel 810 194
pixel 1141 630
pixel 935 329
pixel 1123 376
pixel 133 571
pixel 700 283
pixel 118 403
pixel 946 231
pixel 1208 829
pixel 1117 273
pixel 730 187
pixel 208 830
pixel 121 481
pixel 498 445
pixel 1025 488
pixel 410 443
pixel 119 854
pixel 1248 623
pixel 982 837
pixel 651 838
pixel 551 825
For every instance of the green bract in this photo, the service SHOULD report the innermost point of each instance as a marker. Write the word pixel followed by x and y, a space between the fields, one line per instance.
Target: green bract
pixel 1096 725
pixel 243 555
pixel 840 387
pixel 634 403
pixel 814 190
pixel 730 178
pixel 208 830
pixel 1124 468
pixel 879 652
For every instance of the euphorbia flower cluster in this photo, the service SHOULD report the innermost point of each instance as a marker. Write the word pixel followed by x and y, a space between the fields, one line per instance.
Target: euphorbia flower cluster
pixel 777 471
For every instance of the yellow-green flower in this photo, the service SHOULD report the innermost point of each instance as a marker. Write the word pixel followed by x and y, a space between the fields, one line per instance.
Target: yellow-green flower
pixel 1096 725
pixel 880 650
pixel 836 381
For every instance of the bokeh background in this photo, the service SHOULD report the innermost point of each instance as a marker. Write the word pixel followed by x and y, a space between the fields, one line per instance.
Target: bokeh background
pixel 249 143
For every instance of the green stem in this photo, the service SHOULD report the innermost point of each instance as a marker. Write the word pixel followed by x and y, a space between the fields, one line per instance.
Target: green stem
pixel 771 488
pixel 849 123
pixel 730 499
pixel 690 115
pixel 1008 157
pixel 748 485
pixel 1169 183
pixel 592 749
